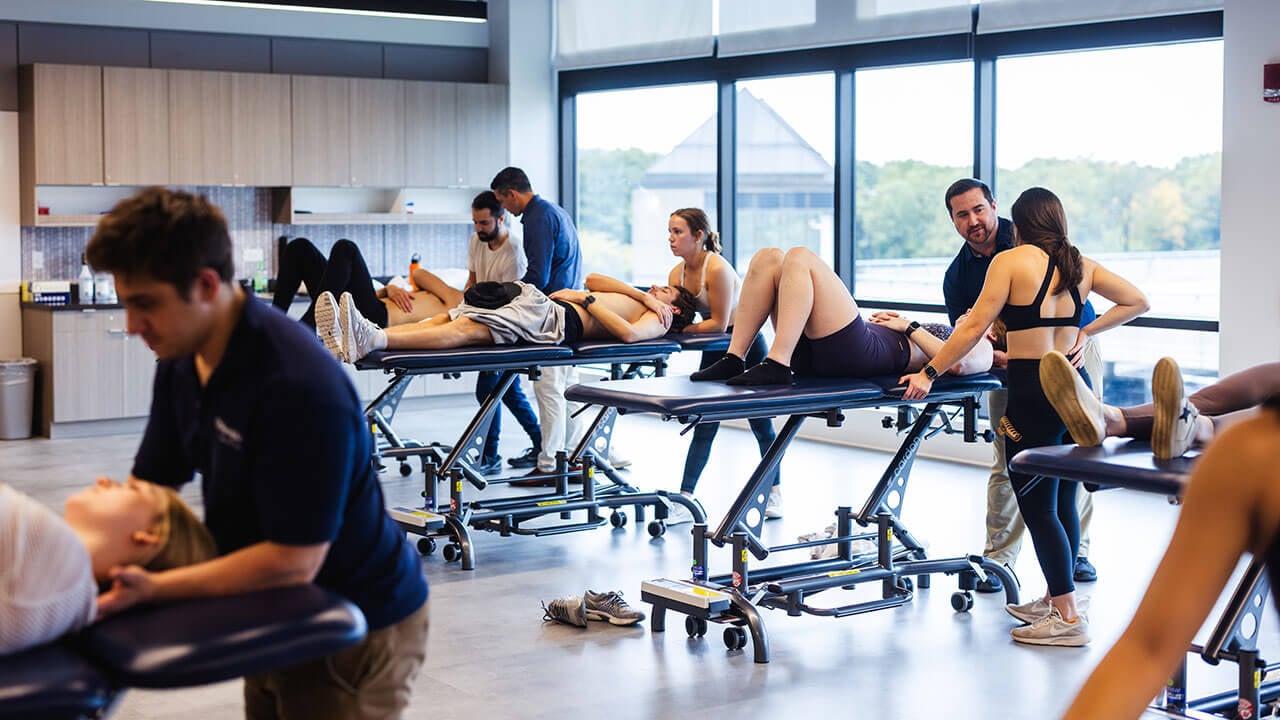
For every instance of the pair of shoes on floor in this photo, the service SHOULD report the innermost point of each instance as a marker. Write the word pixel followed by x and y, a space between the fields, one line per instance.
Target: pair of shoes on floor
pixel 525 460
pixel 773 505
pixel 1085 571
pixel 347 335
pixel 489 466
pixel 1173 428
pixel 1052 629
pixel 993 584
pixel 576 610
pixel 1029 612
pixel 1079 408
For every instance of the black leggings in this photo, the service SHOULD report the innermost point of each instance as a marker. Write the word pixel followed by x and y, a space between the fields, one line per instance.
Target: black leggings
pixel 705 433
pixel 344 271
pixel 1048 505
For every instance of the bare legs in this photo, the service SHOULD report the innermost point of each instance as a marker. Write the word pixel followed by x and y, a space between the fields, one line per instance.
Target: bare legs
pixel 782 287
pixel 438 333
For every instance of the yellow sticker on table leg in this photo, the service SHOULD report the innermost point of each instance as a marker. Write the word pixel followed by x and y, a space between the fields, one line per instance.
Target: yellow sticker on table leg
pixel 744 555
pixel 458 486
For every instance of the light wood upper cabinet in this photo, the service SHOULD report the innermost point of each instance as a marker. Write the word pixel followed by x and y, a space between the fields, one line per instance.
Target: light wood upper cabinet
pixel 377 133
pixel 135 126
pixel 201 122
pixel 61 123
pixel 321 125
pixel 431 128
pixel 481 133
pixel 261 132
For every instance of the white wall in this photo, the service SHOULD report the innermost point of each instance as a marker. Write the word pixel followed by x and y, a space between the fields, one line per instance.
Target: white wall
pixel 520 55
pixel 249 21
pixel 10 242
pixel 1250 179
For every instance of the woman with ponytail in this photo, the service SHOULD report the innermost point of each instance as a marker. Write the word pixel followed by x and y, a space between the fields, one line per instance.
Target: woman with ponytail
pixel 715 285
pixel 1038 289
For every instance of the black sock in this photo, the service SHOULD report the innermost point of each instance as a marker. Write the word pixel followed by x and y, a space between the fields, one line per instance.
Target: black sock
pixel 722 369
pixel 769 372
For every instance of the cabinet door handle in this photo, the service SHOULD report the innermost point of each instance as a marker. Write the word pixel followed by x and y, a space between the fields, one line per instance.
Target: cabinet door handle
pixel 117 332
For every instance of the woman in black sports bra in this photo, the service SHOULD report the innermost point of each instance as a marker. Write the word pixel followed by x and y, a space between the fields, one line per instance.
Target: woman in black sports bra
pixel 1038 288
pixel 1231 507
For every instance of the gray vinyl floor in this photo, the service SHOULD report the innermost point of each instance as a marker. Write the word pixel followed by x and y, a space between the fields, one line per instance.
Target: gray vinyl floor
pixel 490 654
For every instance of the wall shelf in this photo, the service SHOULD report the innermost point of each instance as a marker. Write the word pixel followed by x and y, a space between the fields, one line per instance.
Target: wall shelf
pixel 370 206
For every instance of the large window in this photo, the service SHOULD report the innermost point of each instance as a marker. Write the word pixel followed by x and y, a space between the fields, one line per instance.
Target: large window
pixel 1130 139
pixel 913 137
pixel 642 154
pixel 786 129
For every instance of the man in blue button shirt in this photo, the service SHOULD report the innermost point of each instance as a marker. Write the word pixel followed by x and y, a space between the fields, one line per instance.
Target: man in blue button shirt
pixel 555 263
pixel 252 401
pixel 972 208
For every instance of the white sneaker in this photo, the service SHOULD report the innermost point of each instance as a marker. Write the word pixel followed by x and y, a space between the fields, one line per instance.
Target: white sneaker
pixel 1053 630
pixel 773 506
pixel 1040 607
pixel 1174 425
pixel 617 459
pixel 361 336
pixel 1079 408
pixel 327 326
pixel 678 515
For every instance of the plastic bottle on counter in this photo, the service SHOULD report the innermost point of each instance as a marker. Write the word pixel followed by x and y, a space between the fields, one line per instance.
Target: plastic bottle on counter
pixel 414 261
pixel 260 278
pixel 104 289
pixel 84 284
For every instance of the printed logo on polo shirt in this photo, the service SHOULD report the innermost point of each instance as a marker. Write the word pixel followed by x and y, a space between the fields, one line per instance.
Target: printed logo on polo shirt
pixel 226 434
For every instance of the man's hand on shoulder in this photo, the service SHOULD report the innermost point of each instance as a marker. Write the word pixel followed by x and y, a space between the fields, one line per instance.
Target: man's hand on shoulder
pixel 130 585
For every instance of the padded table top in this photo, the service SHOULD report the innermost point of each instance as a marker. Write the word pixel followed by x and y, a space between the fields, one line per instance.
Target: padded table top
pixel 612 350
pixel 1118 462
pixel 50 681
pixel 705 342
pixel 680 397
pixel 487 357
pixel 213 639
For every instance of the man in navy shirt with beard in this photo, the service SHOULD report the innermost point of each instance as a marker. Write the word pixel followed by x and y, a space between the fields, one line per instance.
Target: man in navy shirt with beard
pixel 252 401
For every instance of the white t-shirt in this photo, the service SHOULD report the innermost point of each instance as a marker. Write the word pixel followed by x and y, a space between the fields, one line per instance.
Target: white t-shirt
pixel 505 264
pixel 46 576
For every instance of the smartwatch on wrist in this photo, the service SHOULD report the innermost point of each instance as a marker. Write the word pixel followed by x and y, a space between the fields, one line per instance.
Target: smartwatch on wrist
pixel 930 372
pixel 914 326
pixel 586 301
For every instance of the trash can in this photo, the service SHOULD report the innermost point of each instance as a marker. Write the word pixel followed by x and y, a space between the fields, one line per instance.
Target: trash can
pixel 17 391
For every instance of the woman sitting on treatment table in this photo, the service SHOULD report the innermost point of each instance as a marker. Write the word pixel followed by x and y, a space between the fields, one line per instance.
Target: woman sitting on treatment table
pixel 1231 506
pixel 818 331
pixel 715 285
pixel 50 567
pixel 346 271
pixel 1039 322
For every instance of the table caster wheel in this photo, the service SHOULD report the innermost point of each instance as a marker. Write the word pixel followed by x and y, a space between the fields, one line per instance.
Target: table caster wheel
pixel 426 546
pixel 962 601
pixel 695 627
pixel 618 519
pixel 657 528
pixel 452 552
pixel 735 638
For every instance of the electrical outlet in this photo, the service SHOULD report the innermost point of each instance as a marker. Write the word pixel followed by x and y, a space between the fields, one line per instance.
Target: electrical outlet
pixel 37 260
pixel 253 255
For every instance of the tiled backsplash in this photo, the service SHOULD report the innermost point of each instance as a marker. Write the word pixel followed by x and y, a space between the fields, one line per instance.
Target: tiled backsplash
pixel 386 248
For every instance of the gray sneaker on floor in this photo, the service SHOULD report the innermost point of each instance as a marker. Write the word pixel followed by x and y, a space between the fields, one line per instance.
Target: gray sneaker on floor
pixel 1038 608
pixel 610 606
pixel 327 326
pixel 1053 630
pixel 570 610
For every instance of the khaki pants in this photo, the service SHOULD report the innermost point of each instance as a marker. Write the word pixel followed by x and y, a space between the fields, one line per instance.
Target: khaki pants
pixel 368 681
pixel 1004 523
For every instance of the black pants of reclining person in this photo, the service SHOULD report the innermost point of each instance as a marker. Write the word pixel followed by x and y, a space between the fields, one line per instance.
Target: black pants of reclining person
pixel 344 271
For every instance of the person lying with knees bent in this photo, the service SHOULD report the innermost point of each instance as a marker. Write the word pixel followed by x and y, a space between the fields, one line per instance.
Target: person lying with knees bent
pixel 346 271
pixel 1174 421
pixel 514 312
pixel 50 567
pixel 1231 507
pixel 818 330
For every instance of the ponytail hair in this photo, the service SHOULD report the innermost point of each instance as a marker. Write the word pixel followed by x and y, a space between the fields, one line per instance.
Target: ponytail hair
pixel 1038 216
pixel 697 221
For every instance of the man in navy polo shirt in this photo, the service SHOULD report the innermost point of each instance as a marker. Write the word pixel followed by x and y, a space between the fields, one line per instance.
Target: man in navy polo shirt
pixel 972 208
pixel 252 401
pixel 555 263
